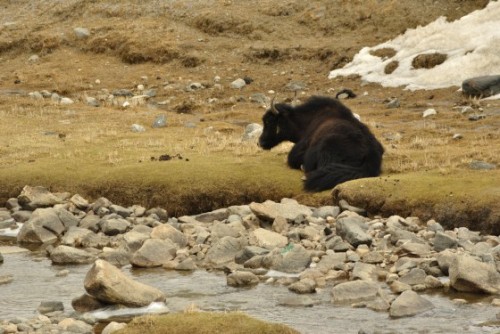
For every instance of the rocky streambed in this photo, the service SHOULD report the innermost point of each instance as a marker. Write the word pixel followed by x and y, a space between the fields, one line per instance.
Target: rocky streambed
pixel 316 269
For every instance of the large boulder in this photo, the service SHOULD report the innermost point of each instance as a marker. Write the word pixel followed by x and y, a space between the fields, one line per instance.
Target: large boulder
pixel 109 285
pixel 165 231
pixel 483 86
pixel 32 198
pixel 470 275
pixel 409 303
pixel 44 226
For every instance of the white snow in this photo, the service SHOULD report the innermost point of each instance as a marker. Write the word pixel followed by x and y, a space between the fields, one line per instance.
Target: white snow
pixel 472 44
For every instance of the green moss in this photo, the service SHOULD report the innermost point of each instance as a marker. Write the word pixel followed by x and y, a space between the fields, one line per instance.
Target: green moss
pixel 203 322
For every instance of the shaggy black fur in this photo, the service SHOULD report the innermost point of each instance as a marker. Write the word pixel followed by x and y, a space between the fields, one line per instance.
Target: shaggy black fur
pixel 331 145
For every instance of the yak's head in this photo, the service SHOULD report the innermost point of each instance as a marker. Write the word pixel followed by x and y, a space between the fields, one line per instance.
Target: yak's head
pixel 277 126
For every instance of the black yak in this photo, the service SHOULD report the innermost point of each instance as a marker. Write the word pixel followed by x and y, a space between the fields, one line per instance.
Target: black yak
pixel 331 145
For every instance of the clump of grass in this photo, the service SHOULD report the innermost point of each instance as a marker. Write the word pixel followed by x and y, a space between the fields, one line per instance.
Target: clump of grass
pixel 203 322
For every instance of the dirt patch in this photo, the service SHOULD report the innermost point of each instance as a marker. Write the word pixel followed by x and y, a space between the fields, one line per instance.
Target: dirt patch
pixel 428 60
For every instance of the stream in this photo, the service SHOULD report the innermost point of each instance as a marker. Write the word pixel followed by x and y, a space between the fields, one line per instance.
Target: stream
pixel 35 280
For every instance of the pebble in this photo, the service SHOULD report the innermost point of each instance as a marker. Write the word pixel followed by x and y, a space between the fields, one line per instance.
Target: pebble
pixel 238 83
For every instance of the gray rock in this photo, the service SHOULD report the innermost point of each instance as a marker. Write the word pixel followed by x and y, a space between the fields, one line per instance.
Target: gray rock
pixel 292 259
pixel 117 257
pixel 483 86
pixel 114 226
pixel 109 285
pixel 417 249
pixel 160 121
pixel 32 198
pixel 353 230
pixel 91 222
pixel 331 261
pixel 260 98
pixel 70 325
pixel 69 255
pixel 137 128
pixel 288 209
pixel 326 211
pixel 414 276
pixel 154 253
pixel 248 252
pixel 306 285
pixel 123 92
pixel 252 132
pixel 120 210
pixel 364 271
pixel 481 165
pixel 345 206
pixel 296 301
pixel 92 101
pixel 408 304
pixel 67 218
pixel 224 250
pixel 81 32
pixel 469 275
pixel 238 83
pixel 113 326
pixel 354 291
pixel 44 226
pixel 74 236
pixel 295 86
pixel 268 239
pixel 209 217
pixel 50 306
pixel 242 278
pixel 165 231
pixel 86 303
pixel 220 230
pixel 444 241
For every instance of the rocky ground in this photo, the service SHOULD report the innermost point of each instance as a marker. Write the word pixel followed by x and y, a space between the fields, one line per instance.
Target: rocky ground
pixel 378 263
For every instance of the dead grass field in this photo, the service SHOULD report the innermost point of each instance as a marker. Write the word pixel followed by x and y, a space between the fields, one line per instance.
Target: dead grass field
pixel 165 46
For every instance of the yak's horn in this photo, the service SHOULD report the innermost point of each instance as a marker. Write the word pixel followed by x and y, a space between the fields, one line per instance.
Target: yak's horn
pixel 274 110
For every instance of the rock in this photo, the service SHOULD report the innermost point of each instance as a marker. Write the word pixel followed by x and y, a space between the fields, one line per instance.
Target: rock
pixel 224 250
pixel 248 252
pixel 81 32
pixel 154 253
pixel 296 301
pixel 74 236
pixel 32 198
pixel 242 278
pixel 114 226
pixel 252 132
pixel 5 279
pixel 50 306
pixel 414 277
pixel 417 249
pixel 117 257
pixel 70 325
pixel 137 128
pixel 469 275
pixel 295 86
pixel 353 230
pixel 160 121
pixel 481 165
pixel 66 101
pixel 429 112
pixel 326 211
pixel 120 210
pixel 354 291
pixel 392 103
pixel 210 217
pixel 483 86
pixel 293 258
pixel 238 83
pixel 398 287
pixel 113 326
pixel 167 232
pixel 69 255
pixel 444 241
pixel 364 271
pixel 288 209
pixel 109 285
pixel 86 303
pixel 306 285
pixel 44 226
pixel 408 304
pixel 92 101
pixel 268 239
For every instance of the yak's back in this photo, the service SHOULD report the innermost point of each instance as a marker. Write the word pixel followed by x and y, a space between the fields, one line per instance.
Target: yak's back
pixel 324 107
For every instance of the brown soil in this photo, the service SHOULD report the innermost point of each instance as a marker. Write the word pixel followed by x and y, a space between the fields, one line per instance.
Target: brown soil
pixel 167 45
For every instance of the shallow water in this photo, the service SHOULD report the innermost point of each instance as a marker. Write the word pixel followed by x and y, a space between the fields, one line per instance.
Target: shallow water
pixel 35 281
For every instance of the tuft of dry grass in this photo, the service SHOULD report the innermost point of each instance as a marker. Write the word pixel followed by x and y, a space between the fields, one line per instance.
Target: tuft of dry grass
pixel 204 322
